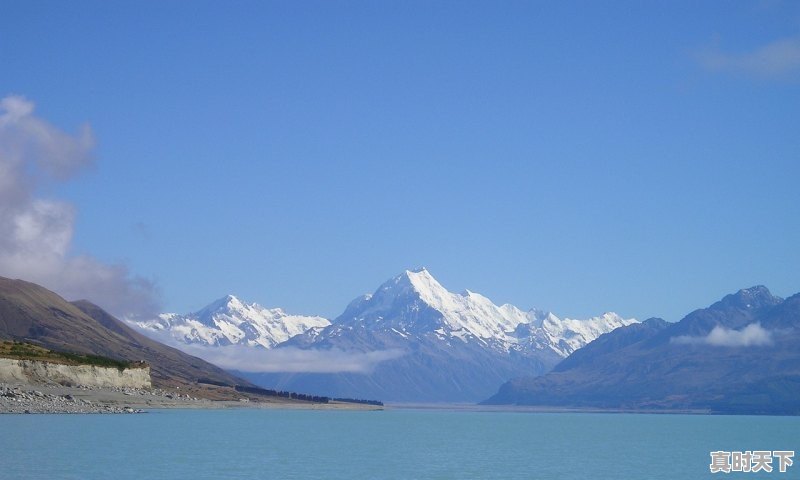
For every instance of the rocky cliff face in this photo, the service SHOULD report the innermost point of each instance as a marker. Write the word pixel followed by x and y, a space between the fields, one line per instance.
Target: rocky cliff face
pixel 34 372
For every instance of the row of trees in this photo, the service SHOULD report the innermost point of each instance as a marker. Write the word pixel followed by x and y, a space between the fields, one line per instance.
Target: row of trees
pixel 278 393
pixel 293 395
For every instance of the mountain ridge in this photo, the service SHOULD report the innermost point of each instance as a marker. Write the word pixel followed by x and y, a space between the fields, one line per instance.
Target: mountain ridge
pixel 31 313
pixel 459 345
pixel 739 355
pixel 229 321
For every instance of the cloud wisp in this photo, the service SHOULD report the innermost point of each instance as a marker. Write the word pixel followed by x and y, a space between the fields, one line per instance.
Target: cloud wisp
pixel 37 231
pixel 753 335
pixel 778 59
pixel 290 359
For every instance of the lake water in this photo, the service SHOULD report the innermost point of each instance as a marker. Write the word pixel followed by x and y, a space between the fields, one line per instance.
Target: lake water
pixel 401 444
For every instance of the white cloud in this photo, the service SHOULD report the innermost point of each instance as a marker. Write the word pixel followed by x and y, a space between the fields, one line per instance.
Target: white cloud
pixel 37 232
pixel 289 359
pixel 780 58
pixel 753 335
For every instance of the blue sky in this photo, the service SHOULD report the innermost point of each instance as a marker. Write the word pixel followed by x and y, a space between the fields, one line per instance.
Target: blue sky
pixel 580 157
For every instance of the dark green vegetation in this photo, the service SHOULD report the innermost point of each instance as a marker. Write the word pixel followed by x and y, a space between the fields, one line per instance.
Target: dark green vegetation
pixel 274 393
pixel 376 403
pixel 32 314
pixel 27 351
pixel 661 366
pixel 265 392
pixel 302 396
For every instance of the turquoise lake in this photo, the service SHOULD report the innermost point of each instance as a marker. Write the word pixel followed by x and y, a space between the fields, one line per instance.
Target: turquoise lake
pixel 391 444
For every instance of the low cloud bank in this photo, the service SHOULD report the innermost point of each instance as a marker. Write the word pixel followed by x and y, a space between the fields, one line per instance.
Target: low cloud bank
pixel 290 359
pixel 753 335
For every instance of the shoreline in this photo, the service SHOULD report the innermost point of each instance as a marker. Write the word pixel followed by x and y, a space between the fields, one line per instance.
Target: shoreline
pixel 21 398
pixel 475 407
pixel 26 398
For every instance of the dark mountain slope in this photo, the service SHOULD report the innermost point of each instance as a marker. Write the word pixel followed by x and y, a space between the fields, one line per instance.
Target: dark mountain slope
pixel 31 313
pixel 740 355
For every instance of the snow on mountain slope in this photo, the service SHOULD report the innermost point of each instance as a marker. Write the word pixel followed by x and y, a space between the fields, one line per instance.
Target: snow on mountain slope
pixel 564 336
pixel 471 313
pixel 454 347
pixel 573 334
pixel 229 321
pixel 415 303
pixel 412 305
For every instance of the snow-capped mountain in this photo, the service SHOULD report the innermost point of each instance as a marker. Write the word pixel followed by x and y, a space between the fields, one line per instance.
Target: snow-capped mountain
pixel 414 304
pixel 229 321
pixel 458 346
pixel 564 336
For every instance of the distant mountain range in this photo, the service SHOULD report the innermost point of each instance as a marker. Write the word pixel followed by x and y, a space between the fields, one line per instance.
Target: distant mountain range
pixel 446 346
pixel 229 321
pixel 31 313
pixel 740 355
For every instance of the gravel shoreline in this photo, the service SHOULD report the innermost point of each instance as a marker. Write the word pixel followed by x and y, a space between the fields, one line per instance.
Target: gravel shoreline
pixel 20 398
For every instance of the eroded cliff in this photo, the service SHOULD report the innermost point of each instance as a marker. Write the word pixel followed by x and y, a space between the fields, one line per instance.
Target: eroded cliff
pixel 36 371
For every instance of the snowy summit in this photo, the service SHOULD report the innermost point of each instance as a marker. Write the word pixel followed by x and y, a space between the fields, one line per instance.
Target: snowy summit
pixel 229 321
pixel 415 304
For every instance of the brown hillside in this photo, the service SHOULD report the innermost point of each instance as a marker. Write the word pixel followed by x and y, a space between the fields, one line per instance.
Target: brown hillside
pixel 31 313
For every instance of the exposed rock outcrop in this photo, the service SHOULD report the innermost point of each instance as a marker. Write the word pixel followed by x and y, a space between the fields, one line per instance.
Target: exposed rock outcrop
pixel 35 372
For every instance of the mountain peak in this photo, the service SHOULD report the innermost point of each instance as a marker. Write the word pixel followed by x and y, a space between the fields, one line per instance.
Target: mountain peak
pixel 753 297
pixel 422 278
pixel 231 299
pixel 221 305
pixel 758 290
pixel 417 273
pixel 428 288
pixel 227 302
pixel 229 320
pixel 417 282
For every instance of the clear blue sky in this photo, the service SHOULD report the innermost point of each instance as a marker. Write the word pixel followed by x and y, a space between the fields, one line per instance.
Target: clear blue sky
pixel 640 157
